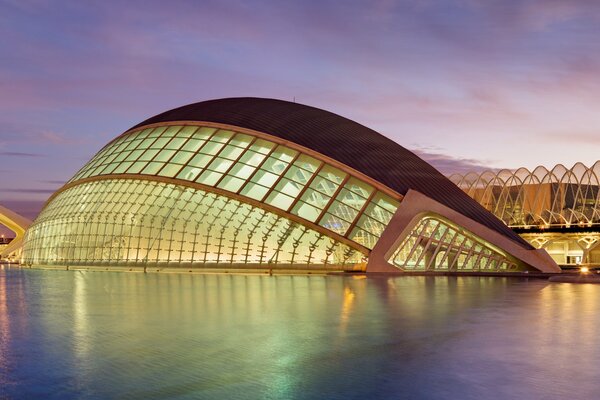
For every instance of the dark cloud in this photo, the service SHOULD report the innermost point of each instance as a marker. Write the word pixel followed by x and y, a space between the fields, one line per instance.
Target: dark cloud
pixel 449 165
pixel 19 154
pixel 31 191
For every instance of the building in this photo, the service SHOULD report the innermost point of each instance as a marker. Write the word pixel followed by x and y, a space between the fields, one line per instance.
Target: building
pixel 557 210
pixel 249 183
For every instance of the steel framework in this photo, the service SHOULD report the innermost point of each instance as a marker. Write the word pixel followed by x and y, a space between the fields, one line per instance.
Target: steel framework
pixel 542 198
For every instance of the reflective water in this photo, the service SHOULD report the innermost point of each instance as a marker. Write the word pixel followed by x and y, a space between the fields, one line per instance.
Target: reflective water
pixel 67 334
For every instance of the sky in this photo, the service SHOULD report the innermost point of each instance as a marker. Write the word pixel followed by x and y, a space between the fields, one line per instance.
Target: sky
pixel 466 84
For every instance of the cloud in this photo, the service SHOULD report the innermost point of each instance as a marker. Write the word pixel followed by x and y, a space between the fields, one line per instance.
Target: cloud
pixel 53 137
pixel 19 154
pixel 575 137
pixel 31 191
pixel 449 165
pixel 51 181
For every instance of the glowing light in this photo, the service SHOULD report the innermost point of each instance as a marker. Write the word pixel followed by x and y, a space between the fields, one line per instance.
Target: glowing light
pixel 584 270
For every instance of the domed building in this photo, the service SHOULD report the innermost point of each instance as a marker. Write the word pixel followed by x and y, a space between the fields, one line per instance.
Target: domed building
pixel 263 184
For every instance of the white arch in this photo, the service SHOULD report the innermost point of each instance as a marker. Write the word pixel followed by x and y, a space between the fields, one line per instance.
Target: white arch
pixel 16 223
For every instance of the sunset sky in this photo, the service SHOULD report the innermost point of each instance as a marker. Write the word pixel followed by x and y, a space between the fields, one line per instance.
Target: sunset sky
pixel 467 84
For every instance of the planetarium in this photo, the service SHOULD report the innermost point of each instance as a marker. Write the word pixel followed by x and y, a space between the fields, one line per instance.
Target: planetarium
pixel 267 185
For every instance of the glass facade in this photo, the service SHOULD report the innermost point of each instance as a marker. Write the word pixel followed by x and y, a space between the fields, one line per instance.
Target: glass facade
pixel 128 222
pixel 435 244
pixel 253 168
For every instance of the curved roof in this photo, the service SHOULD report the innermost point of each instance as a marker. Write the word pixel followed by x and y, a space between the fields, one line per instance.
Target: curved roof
pixel 343 140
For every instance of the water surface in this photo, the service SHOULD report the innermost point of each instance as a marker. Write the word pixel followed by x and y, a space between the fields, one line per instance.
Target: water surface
pixel 72 334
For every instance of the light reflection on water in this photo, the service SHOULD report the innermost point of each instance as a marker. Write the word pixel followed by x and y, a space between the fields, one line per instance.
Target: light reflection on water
pixel 70 334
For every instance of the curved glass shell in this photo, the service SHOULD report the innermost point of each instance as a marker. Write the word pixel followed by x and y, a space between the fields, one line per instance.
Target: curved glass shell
pixel 253 168
pixel 128 222
pixel 202 196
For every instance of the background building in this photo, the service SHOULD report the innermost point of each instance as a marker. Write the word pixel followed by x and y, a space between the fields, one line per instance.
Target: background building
pixel 268 184
pixel 557 209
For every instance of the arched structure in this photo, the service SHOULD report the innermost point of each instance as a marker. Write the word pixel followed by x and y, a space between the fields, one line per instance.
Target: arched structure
pixel 16 223
pixel 557 209
pixel 262 183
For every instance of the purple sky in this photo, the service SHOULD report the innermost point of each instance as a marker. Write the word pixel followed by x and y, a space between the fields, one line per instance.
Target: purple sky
pixel 467 84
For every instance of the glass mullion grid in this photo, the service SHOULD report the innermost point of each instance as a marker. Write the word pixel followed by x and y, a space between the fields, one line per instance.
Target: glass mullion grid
pixel 257 168
pixel 306 186
pixel 237 159
pixel 164 147
pixel 361 212
pixel 198 151
pixel 118 148
pixel 149 147
pixel 213 157
pixel 176 152
pixel 279 179
pixel 333 198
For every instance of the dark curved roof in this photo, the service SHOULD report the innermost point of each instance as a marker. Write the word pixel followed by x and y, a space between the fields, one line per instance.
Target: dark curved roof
pixel 343 140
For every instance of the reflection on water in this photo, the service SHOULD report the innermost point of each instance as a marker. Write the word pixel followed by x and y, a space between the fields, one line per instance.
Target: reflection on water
pixel 73 334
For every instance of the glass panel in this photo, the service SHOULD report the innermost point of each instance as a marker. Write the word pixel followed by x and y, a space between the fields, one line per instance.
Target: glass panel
pixel 170 170
pixel 211 148
pixel 324 186
pixel 242 171
pixel 200 160
pixel 241 140
pixel 222 136
pixel 280 200
pixel 152 168
pixel 209 178
pixel 231 152
pixel 262 146
pixel 284 154
pixel 148 155
pixel 189 173
pixel 306 211
pixel 122 167
pixel 315 198
pixel 231 183
pixel 136 167
pixel 264 178
pixel 254 191
pixel 291 188
pixel 252 158
pixel 220 165
pixel 193 145
pixel 176 143
pixel 332 174
pixel 359 187
pixel 307 163
pixel 299 175
pixel 164 155
pixel 182 157
pixel 334 223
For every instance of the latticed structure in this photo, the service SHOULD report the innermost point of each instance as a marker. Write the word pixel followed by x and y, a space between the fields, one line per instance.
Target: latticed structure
pixel 260 184
pixel 557 209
